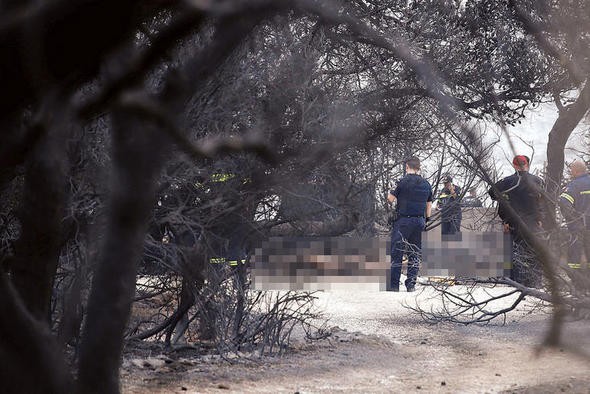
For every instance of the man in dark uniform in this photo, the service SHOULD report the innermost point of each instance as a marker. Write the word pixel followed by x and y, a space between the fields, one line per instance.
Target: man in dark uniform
pixel 575 207
pixel 414 203
pixel 522 191
pixel 450 206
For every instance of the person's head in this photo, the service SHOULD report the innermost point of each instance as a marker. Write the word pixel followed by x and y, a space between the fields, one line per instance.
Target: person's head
pixel 447 181
pixel 413 164
pixel 578 168
pixel 521 163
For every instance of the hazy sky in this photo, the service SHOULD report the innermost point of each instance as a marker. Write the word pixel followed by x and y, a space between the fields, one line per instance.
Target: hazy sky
pixel 529 138
pixel 534 131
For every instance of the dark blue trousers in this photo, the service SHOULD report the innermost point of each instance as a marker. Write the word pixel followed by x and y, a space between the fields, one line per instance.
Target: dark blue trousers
pixel 406 237
pixel 526 268
pixel 450 226
pixel 579 246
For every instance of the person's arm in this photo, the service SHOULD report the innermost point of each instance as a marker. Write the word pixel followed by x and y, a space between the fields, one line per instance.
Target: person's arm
pixel 566 204
pixel 390 197
pixel 500 187
pixel 491 191
pixel 393 193
pixel 453 191
pixel 428 205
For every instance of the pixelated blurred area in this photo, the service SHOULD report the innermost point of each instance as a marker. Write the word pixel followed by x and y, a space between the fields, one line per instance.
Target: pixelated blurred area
pixel 330 263
pixel 317 263
pixel 466 254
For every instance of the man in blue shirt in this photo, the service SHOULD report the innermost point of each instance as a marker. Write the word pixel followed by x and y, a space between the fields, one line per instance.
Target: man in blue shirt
pixel 413 195
pixel 574 203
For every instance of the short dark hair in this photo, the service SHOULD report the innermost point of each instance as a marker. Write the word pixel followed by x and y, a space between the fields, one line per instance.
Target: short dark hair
pixel 413 162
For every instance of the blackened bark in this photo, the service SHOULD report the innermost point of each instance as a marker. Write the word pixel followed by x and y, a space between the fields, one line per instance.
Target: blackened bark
pixel 17 144
pixel 137 157
pixel 73 314
pixel 11 5
pixel 240 285
pixel 187 300
pixel 563 127
pixel 31 361
pixel 59 42
pixel 41 213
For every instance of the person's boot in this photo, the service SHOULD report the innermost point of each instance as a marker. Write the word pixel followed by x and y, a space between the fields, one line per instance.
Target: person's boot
pixel 389 287
pixel 410 285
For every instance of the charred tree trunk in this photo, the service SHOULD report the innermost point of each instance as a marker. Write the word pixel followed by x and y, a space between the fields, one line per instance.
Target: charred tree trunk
pixel 70 39
pixel 41 214
pixel 178 326
pixel 31 359
pixel 137 158
pixel 569 117
pixel 73 312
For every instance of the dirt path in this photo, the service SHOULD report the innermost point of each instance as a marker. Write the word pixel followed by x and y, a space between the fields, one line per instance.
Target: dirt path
pixel 380 346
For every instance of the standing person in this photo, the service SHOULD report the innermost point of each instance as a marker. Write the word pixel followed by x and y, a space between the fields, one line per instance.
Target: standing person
pixel 450 205
pixel 414 203
pixel 472 201
pixel 522 191
pixel 574 203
